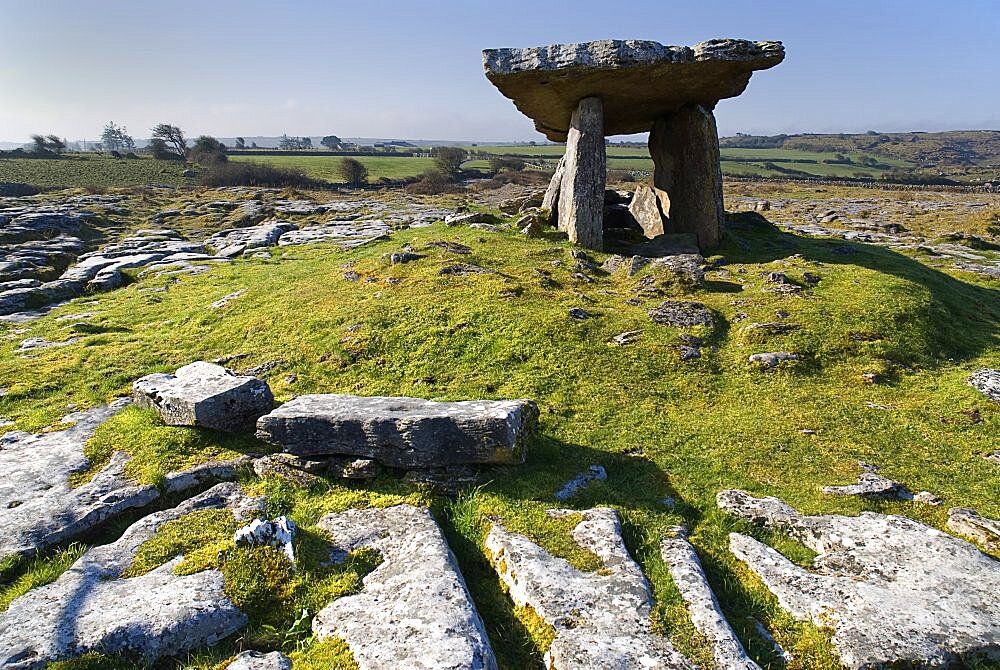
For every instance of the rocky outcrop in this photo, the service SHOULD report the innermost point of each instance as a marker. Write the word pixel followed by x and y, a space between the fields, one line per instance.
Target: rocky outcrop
pixel 91 608
pixel 235 241
pixel 987 382
pixel 601 619
pixel 706 614
pixel 255 660
pixel 343 234
pixel 970 523
pixel 204 394
pixel 681 314
pixel 894 591
pixel 639 81
pixel 414 610
pixel 402 432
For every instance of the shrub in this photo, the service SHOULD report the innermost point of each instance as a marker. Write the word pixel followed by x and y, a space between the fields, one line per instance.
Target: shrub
pixel 208 150
pixel 255 174
pixel 449 160
pixel 432 182
pixel 353 171
pixel 506 164
pixel 14 190
pixel 160 151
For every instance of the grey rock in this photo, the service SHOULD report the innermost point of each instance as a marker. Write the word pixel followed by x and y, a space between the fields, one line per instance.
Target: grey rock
pixel 969 522
pixel 204 394
pixel 254 237
pixel 255 660
pixel 579 314
pixel 987 382
pixel 628 337
pixel 451 247
pixel 462 269
pixel 90 608
pixel 550 201
pixel 681 314
pixel 772 359
pixel 226 299
pixel 343 234
pixel 601 619
pixel 638 80
pixel 631 264
pixel 403 257
pixel 706 614
pixel 688 267
pixel 293 469
pixel 871 485
pixel 402 432
pixel 595 473
pixel 894 591
pixel 779 651
pixel 470 218
pixel 279 533
pixel 414 610
pixel 41 343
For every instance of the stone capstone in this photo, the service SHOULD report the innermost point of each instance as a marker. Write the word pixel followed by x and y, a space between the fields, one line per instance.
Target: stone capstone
pixel 894 591
pixel 414 610
pixel 91 608
pixel 639 81
pixel 601 619
pixel 204 394
pixel 402 432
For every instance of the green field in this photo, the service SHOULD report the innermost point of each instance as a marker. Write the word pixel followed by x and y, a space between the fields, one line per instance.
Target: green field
pixel 81 170
pixel 326 168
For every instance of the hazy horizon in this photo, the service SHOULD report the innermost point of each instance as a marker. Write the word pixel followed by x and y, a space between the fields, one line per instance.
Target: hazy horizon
pixel 403 71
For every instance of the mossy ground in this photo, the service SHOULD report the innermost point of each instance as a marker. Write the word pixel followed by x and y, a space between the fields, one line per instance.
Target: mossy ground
pixel 659 425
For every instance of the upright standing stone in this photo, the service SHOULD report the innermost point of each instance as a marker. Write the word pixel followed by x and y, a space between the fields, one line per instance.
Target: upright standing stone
pixel 550 201
pixel 684 146
pixel 581 194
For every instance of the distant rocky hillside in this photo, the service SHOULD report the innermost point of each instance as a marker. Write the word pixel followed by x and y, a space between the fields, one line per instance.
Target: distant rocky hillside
pixel 949 149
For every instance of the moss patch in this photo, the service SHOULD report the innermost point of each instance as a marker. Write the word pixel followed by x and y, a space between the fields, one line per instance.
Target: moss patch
pixel 39 572
pixel 157 449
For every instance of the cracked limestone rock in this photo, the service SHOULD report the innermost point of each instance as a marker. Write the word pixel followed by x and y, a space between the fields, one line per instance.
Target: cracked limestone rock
pixel 969 522
pixel 706 614
pixel 871 485
pixel 987 382
pixel 255 660
pixel 402 432
pixel 414 610
pixel 91 608
pixel 38 508
pixel 205 394
pixel 601 619
pixel 894 591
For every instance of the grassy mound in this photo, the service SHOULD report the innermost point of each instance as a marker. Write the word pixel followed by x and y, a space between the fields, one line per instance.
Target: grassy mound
pixel 885 345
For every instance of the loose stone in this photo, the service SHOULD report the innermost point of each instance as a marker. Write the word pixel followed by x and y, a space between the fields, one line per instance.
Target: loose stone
pixel 595 473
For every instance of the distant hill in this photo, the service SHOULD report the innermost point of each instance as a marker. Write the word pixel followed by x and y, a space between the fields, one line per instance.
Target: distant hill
pixel 947 150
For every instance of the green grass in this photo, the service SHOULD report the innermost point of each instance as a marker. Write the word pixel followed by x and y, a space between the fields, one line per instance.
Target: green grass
pixel 660 426
pixel 81 170
pixel 326 168
pixel 38 572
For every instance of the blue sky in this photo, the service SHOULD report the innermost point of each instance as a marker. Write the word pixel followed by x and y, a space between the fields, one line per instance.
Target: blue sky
pixel 413 69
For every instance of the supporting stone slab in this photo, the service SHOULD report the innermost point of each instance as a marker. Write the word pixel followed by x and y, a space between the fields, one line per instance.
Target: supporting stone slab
pixel 684 146
pixel 550 202
pixel 581 192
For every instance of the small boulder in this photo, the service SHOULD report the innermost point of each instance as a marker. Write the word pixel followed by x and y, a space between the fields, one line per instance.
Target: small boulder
pixel 255 660
pixel 205 394
pixel 681 314
pixel 772 359
pixel 279 534
pixel 987 382
pixel 650 207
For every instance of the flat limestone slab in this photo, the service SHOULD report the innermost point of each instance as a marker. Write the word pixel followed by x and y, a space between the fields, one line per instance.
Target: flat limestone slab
pixel 402 432
pixel 204 394
pixel 895 592
pixel 602 618
pixel 414 610
pixel 638 81
pixel 91 608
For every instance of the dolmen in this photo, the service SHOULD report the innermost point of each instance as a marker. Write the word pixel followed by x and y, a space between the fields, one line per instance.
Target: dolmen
pixel 580 93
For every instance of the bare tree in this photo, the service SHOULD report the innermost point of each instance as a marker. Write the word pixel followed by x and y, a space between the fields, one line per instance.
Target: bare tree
pixel 171 135
pixel 116 138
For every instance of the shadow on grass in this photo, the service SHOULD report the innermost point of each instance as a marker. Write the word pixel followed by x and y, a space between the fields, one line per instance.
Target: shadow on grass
pixel 960 322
